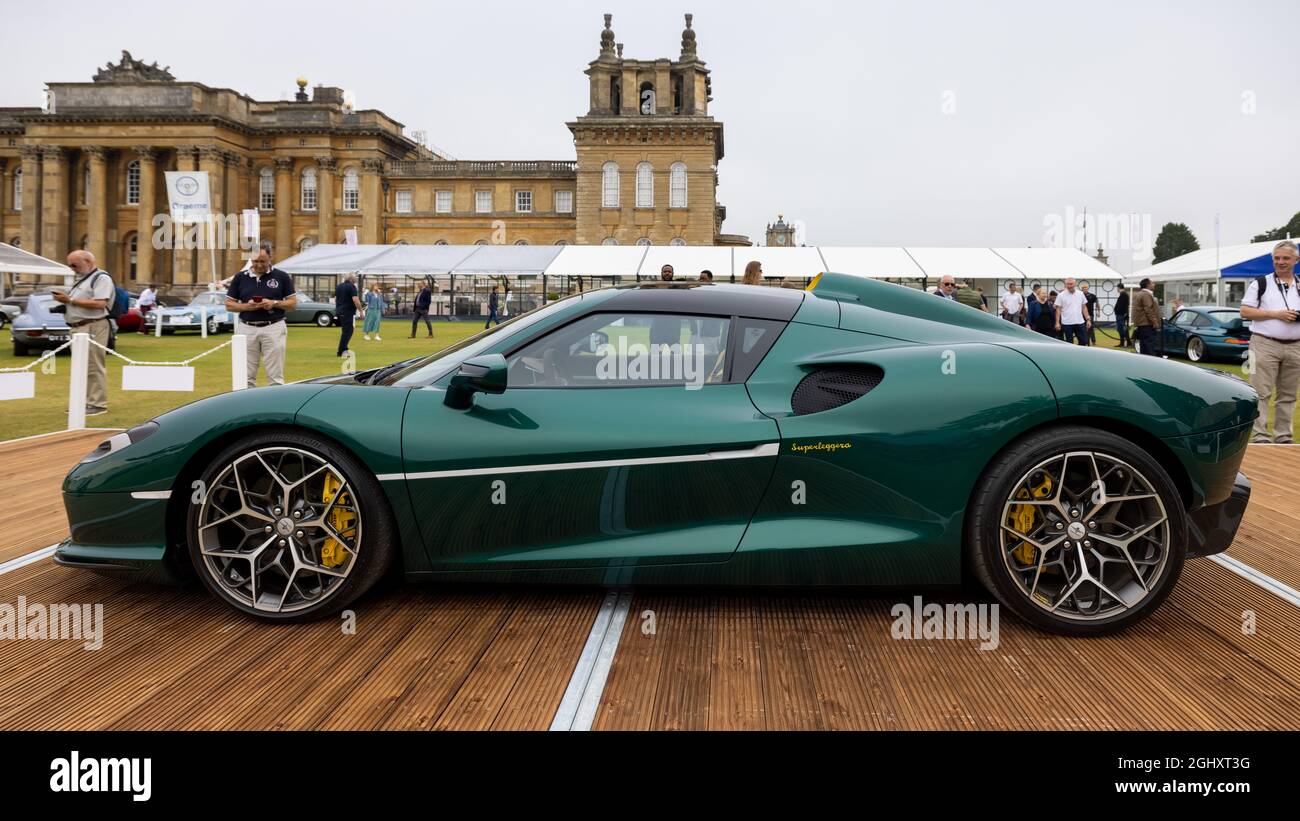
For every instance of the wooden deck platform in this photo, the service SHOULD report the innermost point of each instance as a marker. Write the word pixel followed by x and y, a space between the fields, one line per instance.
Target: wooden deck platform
pixel 451 657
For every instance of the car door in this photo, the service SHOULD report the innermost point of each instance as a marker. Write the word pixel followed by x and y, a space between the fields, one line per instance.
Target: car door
pixel 592 457
pixel 1175 330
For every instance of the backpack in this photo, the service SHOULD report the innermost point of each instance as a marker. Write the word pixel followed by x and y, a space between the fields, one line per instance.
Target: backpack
pixel 121 302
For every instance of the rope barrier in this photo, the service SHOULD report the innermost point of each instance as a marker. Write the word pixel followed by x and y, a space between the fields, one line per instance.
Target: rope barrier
pixel 38 360
pixel 183 363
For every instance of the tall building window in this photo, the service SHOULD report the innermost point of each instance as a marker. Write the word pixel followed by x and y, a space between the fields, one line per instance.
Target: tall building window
pixel 677 185
pixel 645 185
pixel 85 185
pixel 351 190
pixel 132 246
pixel 442 202
pixel 309 189
pixel 564 202
pixel 609 185
pixel 266 190
pixel 133 182
pixel 403 205
pixel 483 202
pixel 18 190
pixel 524 202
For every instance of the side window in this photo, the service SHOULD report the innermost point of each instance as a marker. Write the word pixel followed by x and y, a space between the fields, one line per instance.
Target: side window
pixel 1183 319
pixel 754 338
pixel 626 350
pixel 1201 322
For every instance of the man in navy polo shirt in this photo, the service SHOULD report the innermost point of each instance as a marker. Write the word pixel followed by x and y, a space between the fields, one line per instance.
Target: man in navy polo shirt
pixel 260 296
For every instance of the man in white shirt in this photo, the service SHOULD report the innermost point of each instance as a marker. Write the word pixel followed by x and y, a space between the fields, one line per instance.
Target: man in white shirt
pixel 1012 304
pixel 1072 319
pixel 87 313
pixel 1272 304
pixel 148 301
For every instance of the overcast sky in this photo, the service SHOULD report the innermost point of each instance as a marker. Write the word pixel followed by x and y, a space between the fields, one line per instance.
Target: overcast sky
pixel 910 123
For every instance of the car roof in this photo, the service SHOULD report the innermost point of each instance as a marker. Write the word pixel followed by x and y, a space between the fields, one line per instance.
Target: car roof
pixel 758 301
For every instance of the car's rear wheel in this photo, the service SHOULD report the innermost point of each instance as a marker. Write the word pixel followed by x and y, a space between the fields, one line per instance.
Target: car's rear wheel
pixel 1195 349
pixel 290 527
pixel 324 320
pixel 20 349
pixel 1077 531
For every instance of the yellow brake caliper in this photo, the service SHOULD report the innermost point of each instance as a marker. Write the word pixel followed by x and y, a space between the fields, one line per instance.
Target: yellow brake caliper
pixel 1025 517
pixel 344 522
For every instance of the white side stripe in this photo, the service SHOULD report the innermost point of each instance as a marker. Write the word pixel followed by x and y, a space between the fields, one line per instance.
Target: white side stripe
pixel 770 449
pixel 151 494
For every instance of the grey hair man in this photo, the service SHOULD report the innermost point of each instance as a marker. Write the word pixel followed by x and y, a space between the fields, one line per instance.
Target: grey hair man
pixel 1272 304
pixel 947 287
pixel 87 312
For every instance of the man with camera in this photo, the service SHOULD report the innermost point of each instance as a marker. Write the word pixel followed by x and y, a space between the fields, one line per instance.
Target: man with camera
pixel 260 296
pixel 86 308
pixel 1272 305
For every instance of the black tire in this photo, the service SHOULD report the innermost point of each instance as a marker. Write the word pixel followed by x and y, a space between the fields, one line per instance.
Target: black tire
pixel 378 543
pixel 984 549
pixel 323 319
pixel 21 350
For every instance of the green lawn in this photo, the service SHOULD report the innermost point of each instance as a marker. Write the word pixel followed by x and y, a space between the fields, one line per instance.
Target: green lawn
pixel 310 353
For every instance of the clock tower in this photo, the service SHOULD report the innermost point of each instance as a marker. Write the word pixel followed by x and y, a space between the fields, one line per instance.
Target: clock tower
pixel 779 233
pixel 647 149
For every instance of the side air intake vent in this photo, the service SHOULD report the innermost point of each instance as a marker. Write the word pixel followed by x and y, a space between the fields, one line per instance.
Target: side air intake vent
pixel 833 386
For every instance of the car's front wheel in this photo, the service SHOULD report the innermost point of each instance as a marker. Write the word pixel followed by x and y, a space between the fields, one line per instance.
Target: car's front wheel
pixel 1195 349
pixel 1077 531
pixel 289 527
pixel 324 320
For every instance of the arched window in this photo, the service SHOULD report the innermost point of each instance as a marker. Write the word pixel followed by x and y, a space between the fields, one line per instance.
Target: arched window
pixel 481 242
pixel 645 185
pixel 266 189
pixel 403 242
pixel 643 241
pixel 309 189
pixel 18 191
pixel 521 242
pixel 609 241
pixel 609 185
pixel 676 241
pixel 441 242
pixel 307 242
pixel 677 185
pixel 133 182
pixel 562 242
pixel 351 190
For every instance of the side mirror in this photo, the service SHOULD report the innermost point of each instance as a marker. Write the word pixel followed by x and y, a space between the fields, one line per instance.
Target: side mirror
pixel 481 374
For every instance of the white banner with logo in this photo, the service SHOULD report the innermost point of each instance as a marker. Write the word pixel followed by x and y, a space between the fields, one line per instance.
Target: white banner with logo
pixel 187 196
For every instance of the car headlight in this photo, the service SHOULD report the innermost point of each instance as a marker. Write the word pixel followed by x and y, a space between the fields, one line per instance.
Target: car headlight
pixel 118 441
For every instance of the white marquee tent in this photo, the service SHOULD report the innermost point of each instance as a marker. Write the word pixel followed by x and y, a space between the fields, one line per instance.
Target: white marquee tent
pixel 629 262
pixel 17 261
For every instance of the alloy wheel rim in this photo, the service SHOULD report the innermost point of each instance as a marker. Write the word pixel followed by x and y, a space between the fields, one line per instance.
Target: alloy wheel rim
pixel 1084 536
pixel 1194 349
pixel 279 529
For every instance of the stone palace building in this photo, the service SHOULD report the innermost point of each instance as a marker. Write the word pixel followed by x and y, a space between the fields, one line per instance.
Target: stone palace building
pixel 87 171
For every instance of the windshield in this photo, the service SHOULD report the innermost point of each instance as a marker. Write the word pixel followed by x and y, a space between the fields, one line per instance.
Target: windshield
pixel 430 368
pixel 1227 316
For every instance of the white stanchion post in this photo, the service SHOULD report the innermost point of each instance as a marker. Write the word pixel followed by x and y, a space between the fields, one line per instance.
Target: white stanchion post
pixel 77 384
pixel 157 326
pixel 203 320
pixel 238 362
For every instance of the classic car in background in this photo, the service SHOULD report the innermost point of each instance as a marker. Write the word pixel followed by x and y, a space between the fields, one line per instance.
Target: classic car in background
pixel 1202 333
pixel 190 317
pixel 9 309
pixel 37 328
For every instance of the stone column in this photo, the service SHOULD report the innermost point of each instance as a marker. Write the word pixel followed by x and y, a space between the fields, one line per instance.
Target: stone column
pixel 145 265
pixel 325 198
pixel 283 207
pixel 213 161
pixel 30 203
pixel 97 203
pixel 182 256
pixel 372 200
pixel 5 188
pixel 235 192
pixel 54 202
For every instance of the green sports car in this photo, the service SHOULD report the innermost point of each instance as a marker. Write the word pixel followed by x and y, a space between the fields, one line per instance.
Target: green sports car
pixel 857 433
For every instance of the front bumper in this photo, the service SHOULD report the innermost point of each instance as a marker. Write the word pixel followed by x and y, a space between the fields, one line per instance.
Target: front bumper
pixel 1211 529
pixel 118 535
